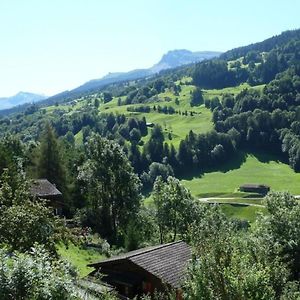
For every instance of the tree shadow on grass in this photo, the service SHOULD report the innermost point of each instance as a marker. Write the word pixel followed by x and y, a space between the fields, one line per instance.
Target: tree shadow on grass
pixel 268 156
pixel 232 164
pixel 235 162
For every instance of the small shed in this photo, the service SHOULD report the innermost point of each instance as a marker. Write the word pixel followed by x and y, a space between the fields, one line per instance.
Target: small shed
pixel 255 188
pixel 43 189
pixel 146 270
pixel 150 124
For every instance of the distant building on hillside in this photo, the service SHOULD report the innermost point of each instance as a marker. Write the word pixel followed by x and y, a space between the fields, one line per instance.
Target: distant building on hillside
pixel 255 188
pixel 149 124
pixel 43 189
pixel 146 270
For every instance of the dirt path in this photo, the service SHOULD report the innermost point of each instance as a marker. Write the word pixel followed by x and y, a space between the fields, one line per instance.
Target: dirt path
pixel 223 201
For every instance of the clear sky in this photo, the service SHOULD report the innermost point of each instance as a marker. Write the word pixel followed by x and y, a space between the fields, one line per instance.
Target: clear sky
pixel 48 46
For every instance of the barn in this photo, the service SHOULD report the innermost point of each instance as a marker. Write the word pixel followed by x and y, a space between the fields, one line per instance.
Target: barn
pixel 146 270
pixel 43 189
pixel 255 188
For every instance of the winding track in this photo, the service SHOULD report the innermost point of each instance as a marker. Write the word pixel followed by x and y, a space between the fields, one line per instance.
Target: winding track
pixel 216 200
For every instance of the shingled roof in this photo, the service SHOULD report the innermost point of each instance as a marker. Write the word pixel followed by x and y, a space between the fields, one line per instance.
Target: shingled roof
pixel 167 262
pixel 43 188
pixel 254 185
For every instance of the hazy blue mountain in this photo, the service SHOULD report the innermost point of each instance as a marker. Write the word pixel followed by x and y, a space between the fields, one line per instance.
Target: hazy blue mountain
pixel 176 58
pixel 172 59
pixel 19 99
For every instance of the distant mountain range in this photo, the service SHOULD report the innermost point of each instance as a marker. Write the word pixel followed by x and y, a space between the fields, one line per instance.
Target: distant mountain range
pixel 20 99
pixel 172 59
pixel 177 58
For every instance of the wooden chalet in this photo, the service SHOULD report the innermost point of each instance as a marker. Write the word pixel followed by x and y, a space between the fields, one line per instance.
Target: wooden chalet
pixel 146 270
pixel 255 188
pixel 43 189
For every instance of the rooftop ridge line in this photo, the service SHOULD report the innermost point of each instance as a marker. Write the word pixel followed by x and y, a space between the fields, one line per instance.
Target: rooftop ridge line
pixel 154 249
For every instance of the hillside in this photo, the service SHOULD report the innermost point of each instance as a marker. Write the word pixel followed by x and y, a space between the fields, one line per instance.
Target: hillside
pixel 172 59
pixel 245 168
pixel 264 46
pixel 190 121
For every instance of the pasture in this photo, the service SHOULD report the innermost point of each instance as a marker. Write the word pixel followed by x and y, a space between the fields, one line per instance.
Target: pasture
pixel 245 168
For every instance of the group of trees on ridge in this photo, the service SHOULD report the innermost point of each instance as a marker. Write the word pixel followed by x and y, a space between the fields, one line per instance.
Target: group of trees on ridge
pixel 267 120
pixel 262 62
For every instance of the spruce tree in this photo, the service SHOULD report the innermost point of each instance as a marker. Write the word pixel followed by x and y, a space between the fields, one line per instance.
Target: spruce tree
pixel 50 164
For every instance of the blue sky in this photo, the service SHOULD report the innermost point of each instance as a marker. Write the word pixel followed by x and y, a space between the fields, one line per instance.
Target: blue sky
pixel 48 46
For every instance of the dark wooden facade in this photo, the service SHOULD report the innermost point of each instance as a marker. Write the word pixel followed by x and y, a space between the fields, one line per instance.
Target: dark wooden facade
pixel 129 279
pixel 255 188
pixel 146 270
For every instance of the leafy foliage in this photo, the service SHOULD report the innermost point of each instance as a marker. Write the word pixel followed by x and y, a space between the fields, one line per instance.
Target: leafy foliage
pixel 174 208
pixel 23 221
pixel 255 264
pixel 35 275
pixel 269 120
pixel 112 189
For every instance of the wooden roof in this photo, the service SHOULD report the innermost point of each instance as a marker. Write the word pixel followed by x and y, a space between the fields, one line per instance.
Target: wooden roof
pixel 43 188
pixel 167 262
pixel 254 185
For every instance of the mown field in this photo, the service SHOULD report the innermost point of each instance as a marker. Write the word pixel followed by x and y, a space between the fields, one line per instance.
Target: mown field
pixel 245 168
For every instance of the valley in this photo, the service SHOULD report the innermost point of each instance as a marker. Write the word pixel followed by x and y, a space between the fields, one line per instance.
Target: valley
pixel 112 189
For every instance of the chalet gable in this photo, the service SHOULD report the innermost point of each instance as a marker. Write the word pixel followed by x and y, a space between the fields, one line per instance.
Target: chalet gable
pixel 42 188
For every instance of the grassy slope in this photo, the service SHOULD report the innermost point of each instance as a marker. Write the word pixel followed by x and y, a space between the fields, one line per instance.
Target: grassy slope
pixel 79 257
pixel 248 213
pixel 177 125
pixel 246 168
pixel 221 182
pixel 230 90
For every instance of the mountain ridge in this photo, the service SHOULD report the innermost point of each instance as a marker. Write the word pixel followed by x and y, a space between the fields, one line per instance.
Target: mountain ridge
pixel 171 59
pixel 19 99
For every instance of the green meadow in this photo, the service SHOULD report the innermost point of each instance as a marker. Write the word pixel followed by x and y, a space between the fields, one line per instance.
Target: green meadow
pixel 245 168
pixel 248 213
pixel 177 126
pixel 230 90
pixel 79 257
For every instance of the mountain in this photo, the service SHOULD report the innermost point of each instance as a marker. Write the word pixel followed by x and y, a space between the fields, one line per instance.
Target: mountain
pixel 20 99
pixel 172 59
pixel 177 58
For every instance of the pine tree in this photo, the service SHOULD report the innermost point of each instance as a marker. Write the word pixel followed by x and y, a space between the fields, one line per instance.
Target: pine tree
pixel 50 164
